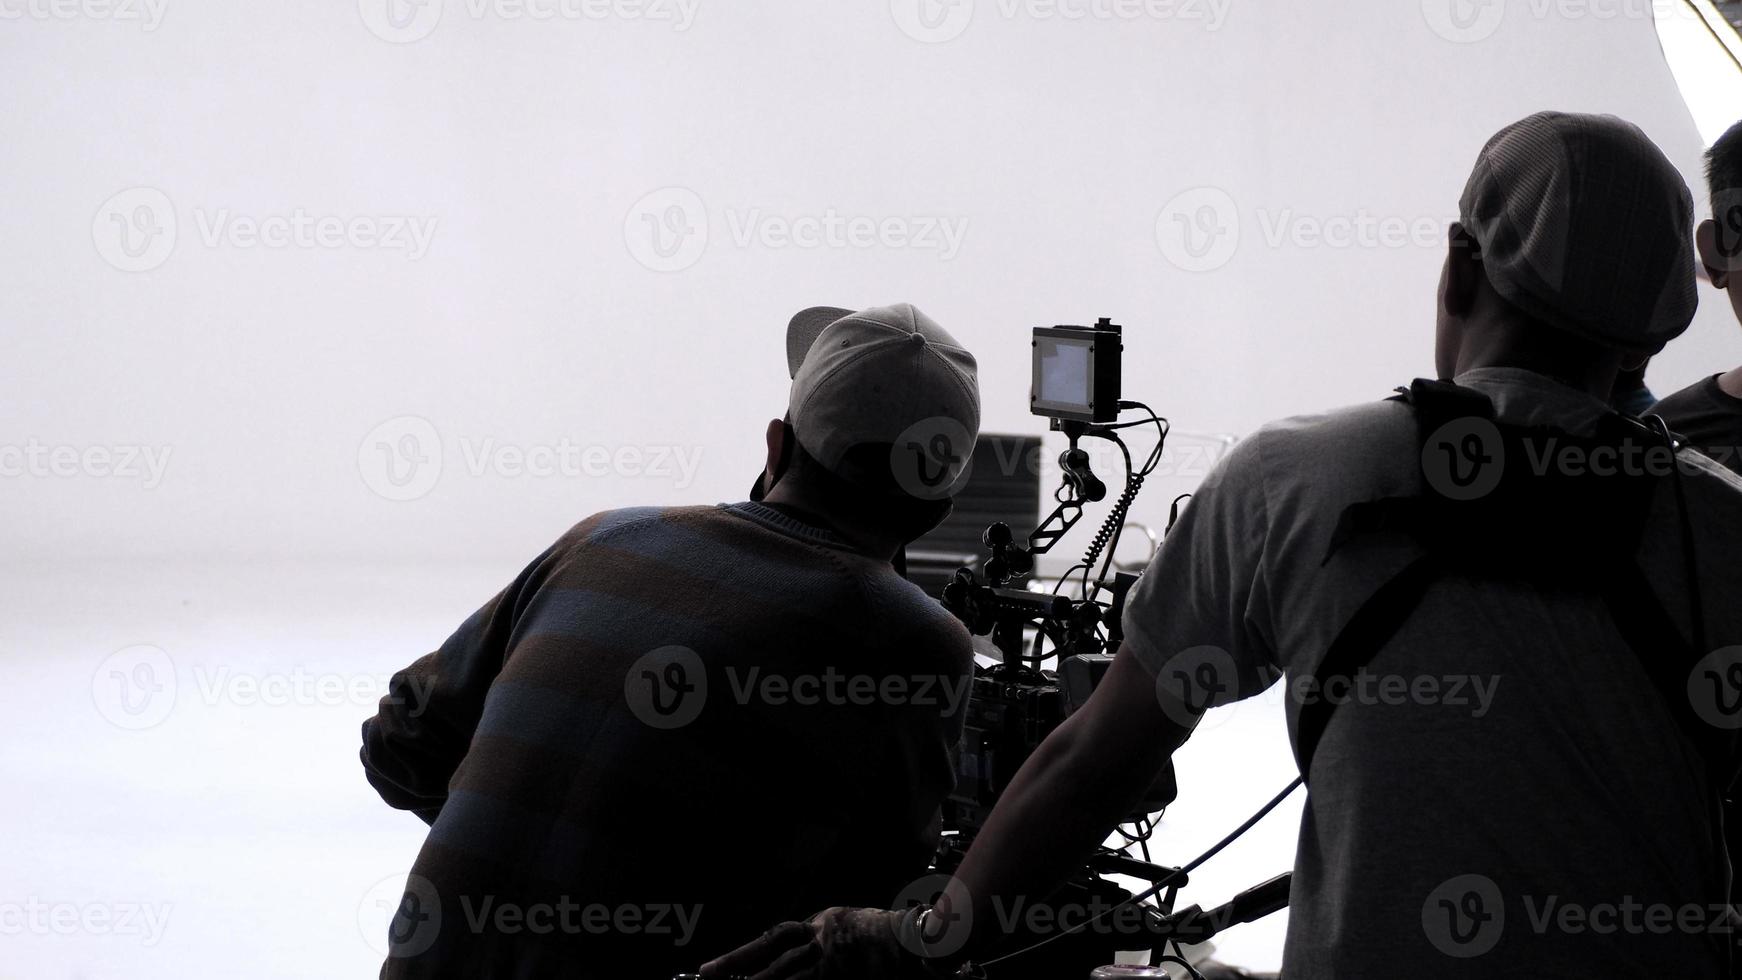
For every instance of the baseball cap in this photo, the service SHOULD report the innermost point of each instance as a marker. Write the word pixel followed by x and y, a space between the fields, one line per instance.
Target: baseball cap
pixel 888 377
pixel 1585 225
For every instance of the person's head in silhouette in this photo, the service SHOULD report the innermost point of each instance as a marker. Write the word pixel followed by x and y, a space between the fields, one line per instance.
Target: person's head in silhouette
pixel 881 423
pixel 1571 257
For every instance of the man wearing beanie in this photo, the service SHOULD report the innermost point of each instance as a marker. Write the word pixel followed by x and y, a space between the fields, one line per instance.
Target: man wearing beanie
pixel 1505 615
pixel 680 725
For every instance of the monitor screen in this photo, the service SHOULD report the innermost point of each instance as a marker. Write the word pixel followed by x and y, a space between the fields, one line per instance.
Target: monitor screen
pixel 1064 373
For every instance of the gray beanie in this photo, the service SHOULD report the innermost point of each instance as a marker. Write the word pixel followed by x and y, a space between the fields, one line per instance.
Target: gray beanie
pixel 1585 225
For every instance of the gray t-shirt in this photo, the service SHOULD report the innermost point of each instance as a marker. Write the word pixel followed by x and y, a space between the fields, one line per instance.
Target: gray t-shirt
pixel 1503 792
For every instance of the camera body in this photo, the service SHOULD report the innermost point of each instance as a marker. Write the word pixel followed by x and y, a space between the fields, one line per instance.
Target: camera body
pixel 1011 710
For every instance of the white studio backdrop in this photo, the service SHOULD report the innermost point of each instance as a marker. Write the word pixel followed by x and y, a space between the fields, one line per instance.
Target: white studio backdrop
pixel 433 279
pixel 321 319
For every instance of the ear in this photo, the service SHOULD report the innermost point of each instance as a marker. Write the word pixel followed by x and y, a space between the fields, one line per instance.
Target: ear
pixel 1464 272
pixel 1706 241
pixel 778 438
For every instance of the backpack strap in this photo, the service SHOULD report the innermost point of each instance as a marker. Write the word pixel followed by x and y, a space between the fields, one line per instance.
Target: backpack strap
pixel 1359 641
pixel 1533 526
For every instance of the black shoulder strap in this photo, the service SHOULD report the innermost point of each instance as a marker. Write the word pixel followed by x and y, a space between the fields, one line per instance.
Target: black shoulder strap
pixel 1360 640
pixel 1444 527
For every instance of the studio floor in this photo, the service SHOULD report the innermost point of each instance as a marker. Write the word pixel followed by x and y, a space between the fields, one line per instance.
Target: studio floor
pixel 186 799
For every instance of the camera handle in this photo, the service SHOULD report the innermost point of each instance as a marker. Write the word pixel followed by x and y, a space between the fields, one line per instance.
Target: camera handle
pixel 1079 485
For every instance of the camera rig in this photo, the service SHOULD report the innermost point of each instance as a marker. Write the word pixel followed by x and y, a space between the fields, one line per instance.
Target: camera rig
pixel 1015 703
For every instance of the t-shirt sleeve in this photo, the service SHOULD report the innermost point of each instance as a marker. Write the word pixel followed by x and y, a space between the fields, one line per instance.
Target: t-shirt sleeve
pixel 1199 617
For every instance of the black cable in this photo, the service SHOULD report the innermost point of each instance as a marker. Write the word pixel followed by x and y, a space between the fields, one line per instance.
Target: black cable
pixel 1156 888
pixel 1107 536
pixel 1114 526
pixel 1173 513
pixel 1162 428
pixel 1066 577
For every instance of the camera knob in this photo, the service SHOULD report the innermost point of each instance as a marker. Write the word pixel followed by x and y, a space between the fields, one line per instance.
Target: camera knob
pixel 997 536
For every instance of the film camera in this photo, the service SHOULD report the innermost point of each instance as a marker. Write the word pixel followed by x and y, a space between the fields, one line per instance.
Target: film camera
pixel 1015 703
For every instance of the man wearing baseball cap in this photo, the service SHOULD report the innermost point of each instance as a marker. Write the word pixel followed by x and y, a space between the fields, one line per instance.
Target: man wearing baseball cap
pixel 680 725
pixel 1513 711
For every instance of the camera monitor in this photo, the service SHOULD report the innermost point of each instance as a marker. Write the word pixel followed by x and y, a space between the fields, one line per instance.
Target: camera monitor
pixel 1076 372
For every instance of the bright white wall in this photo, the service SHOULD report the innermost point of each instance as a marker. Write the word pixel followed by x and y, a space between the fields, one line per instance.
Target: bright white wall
pixel 533 146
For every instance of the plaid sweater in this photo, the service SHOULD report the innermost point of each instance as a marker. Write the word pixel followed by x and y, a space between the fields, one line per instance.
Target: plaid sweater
pixel 676 728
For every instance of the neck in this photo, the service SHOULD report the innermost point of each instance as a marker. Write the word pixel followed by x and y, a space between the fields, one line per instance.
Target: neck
pixel 1535 347
pixel 1731 382
pixel 846 527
